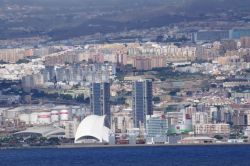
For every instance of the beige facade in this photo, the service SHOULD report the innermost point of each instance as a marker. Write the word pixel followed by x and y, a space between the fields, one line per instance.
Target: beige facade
pixel 13 55
pixel 210 129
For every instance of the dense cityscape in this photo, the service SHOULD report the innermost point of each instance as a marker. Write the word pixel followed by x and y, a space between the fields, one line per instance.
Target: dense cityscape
pixel 195 91
pixel 105 75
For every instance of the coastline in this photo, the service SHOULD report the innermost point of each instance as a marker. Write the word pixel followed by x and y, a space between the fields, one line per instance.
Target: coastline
pixel 145 145
pixel 80 146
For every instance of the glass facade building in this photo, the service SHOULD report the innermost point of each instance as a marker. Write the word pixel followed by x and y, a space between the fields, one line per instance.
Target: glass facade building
pixel 142 101
pixel 100 100
pixel 156 126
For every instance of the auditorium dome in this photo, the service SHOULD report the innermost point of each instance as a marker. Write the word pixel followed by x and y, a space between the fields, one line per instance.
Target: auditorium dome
pixel 92 130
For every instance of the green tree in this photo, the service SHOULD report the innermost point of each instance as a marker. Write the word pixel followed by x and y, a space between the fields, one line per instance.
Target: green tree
pixel 80 98
pixel 156 99
pixel 67 97
pixel 218 137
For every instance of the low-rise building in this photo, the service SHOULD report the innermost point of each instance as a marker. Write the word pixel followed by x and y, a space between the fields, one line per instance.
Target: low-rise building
pixel 197 140
pixel 156 126
pixel 210 129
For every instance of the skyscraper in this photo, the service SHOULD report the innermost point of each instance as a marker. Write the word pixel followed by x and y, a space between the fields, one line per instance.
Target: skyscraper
pixel 100 100
pixel 142 101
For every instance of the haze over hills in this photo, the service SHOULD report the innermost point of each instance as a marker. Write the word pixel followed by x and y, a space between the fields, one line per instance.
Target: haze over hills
pixel 59 3
pixel 63 19
pixel 185 5
pixel 202 6
pixel 195 4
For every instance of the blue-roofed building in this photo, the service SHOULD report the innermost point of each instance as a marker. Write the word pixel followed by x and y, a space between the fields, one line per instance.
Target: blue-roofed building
pixel 238 33
pixel 211 35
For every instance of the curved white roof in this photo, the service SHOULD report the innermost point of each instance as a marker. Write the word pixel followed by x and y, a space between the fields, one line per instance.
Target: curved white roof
pixel 45 131
pixel 92 126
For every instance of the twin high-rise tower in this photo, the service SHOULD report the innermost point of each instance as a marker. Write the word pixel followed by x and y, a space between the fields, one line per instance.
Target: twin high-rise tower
pixel 142 101
pixel 100 100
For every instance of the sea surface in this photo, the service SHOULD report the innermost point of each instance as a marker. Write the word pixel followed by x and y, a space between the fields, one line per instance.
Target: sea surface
pixel 225 155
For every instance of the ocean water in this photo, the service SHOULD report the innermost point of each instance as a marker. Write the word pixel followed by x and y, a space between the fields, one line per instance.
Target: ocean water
pixel 235 155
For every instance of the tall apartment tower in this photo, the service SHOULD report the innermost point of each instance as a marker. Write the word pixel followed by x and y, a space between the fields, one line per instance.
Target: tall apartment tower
pixel 100 100
pixel 142 101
